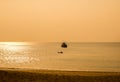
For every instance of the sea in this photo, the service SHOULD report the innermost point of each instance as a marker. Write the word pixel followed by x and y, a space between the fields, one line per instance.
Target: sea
pixel 78 56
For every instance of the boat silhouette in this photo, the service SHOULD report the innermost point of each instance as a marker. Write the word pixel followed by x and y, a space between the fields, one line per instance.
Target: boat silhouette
pixel 60 52
pixel 64 45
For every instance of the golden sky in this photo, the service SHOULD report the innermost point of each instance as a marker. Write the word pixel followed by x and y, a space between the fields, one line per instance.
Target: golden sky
pixel 60 20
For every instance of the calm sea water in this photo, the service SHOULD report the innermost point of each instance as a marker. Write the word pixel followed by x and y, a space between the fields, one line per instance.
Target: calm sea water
pixel 77 57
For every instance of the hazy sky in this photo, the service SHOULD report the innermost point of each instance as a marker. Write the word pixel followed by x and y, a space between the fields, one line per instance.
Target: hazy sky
pixel 60 20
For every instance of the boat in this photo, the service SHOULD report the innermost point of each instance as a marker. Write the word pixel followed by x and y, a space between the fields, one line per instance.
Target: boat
pixel 60 52
pixel 64 45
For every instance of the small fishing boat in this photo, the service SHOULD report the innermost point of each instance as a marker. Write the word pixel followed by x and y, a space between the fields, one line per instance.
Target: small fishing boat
pixel 64 45
pixel 60 52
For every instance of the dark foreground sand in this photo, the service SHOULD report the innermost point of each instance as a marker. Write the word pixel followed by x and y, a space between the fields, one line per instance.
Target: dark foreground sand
pixel 28 75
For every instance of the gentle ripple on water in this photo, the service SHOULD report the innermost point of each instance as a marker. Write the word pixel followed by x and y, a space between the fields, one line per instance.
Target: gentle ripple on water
pixel 78 56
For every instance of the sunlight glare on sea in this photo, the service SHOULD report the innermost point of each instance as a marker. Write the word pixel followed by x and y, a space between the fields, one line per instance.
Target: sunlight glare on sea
pixel 15 43
pixel 77 56
pixel 14 52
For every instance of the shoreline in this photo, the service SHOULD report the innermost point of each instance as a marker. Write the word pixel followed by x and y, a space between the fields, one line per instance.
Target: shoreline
pixel 41 75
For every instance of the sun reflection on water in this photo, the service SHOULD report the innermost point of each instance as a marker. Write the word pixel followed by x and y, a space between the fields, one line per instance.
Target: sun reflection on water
pixel 14 48
pixel 17 59
pixel 15 52
pixel 15 43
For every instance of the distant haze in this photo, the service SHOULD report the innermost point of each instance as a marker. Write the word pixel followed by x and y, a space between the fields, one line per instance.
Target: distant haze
pixel 60 20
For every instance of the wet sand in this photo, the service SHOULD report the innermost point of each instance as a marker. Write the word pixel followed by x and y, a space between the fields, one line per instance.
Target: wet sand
pixel 37 75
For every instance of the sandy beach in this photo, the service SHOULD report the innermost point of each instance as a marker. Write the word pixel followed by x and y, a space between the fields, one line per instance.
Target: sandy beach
pixel 37 75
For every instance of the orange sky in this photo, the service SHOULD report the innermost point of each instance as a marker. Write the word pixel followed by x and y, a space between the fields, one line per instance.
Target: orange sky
pixel 60 20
